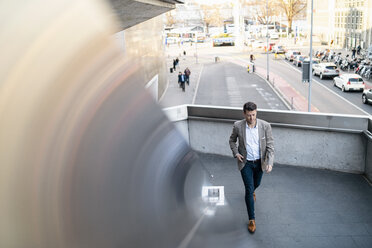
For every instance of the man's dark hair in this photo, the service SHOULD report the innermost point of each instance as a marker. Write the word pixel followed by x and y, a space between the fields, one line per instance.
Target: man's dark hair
pixel 249 106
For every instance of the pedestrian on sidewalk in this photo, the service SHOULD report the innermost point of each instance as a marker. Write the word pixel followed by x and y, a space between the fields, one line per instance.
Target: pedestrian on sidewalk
pixel 354 51
pixel 358 49
pixel 187 75
pixel 184 52
pixel 177 61
pixel 174 64
pixel 251 58
pixel 254 154
pixel 181 80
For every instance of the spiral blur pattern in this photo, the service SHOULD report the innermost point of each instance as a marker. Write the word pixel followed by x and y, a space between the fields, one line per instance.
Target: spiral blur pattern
pixel 88 159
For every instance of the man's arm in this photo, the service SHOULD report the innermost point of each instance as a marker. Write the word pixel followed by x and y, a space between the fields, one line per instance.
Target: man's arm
pixel 233 146
pixel 269 146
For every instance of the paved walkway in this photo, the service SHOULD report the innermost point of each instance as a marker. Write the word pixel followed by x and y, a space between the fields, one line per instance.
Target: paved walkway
pixel 175 96
pixel 299 207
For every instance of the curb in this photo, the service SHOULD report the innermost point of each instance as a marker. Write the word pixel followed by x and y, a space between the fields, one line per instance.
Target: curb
pixel 278 92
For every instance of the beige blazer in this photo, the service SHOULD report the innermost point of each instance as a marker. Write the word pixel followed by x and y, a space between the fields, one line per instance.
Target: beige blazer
pixel 266 142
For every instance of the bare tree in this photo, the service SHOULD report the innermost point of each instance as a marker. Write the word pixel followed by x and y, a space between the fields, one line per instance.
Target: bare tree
pixel 211 16
pixel 259 10
pixel 170 20
pixel 293 9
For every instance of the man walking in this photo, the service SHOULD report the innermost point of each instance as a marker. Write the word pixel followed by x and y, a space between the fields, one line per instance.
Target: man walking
pixel 353 52
pixel 358 49
pixel 174 64
pixel 181 80
pixel 187 75
pixel 254 154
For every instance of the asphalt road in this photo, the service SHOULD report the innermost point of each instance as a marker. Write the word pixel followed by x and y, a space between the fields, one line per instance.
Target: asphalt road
pixel 324 96
pixel 228 84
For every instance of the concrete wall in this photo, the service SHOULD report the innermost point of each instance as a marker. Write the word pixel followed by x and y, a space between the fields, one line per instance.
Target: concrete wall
pixel 210 137
pixel 368 169
pixel 143 45
pixel 334 142
pixel 179 115
pixel 339 151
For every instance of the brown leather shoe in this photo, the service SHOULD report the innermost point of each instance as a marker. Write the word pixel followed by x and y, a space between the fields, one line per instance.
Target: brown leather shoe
pixel 252 226
pixel 254 196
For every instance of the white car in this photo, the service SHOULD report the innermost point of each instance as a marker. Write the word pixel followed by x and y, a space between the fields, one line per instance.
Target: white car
pixel 289 55
pixel 349 82
pixel 278 49
pixel 326 70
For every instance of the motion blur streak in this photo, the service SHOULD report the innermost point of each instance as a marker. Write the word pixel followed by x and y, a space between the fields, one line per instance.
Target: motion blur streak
pixel 88 159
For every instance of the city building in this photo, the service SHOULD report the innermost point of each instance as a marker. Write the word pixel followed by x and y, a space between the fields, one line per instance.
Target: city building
pixel 342 23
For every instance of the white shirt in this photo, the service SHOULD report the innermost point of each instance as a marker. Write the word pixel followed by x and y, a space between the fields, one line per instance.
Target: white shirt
pixel 252 142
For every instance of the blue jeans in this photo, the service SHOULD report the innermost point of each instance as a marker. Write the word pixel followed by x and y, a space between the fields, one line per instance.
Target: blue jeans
pixel 251 175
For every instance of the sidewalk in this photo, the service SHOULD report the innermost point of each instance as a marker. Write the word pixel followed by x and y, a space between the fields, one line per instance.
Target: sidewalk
pixel 174 95
pixel 299 207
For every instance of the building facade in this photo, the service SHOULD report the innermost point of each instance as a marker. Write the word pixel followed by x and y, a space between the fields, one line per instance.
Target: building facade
pixel 342 23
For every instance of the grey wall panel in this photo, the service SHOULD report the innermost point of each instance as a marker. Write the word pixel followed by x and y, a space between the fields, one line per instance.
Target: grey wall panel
pixel 319 149
pixel 284 117
pixel 183 128
pixel 368 169
pixel 144 45
pixel 298 147
pixel 210 137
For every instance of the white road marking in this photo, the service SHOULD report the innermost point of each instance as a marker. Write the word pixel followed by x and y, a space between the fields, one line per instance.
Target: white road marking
pixel 233 92
pixel 268 83
pixel 197 84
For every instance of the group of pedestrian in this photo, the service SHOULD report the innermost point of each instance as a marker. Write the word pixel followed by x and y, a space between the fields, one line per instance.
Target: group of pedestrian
pixel 184 78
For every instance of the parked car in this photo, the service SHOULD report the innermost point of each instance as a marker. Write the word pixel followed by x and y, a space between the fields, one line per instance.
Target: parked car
pixel 274 36
pixel 278 49
pixel 298 59
pixel 289 55
pixel 326 70
pixel 249 42
pixel 315 60
pixel 367 96
pixel 349 82
pixel 258 44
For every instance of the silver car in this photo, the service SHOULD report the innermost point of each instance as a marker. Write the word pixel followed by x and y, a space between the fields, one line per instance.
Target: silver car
pixel 348 82
pixel 326 70
pixel 367 96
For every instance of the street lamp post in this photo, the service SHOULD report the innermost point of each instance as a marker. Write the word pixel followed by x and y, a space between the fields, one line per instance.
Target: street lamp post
pixel 267 37
pixel 311 56
pixel 196 47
